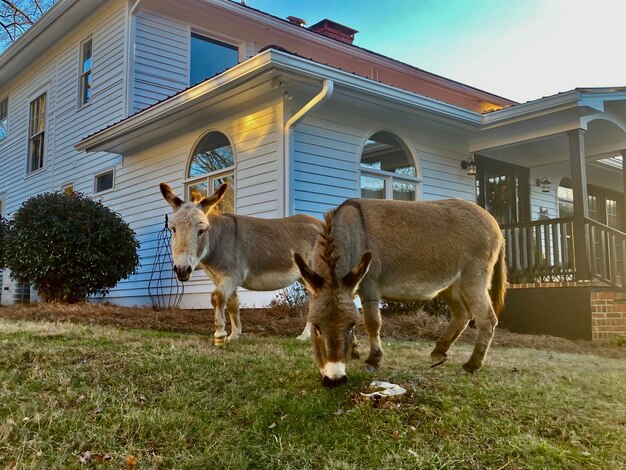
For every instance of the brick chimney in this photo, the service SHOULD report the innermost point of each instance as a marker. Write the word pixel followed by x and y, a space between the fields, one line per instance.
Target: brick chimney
pixel 295 20
pixel 334 30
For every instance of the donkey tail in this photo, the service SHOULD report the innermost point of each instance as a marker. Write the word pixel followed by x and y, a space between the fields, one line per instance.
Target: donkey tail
pixel 498 283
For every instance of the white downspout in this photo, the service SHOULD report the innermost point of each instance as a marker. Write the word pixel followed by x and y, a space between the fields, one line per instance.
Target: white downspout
pixel 316 101
pixel 130 57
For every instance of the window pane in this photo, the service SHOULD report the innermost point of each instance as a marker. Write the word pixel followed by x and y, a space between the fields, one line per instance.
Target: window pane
pixel 594 212
pixel 384 151
pixel 198 191
pixel 85 77
pixel 612 215
pixel 403 191
pixel 104 181
pixel 4 121
pixel 566 209
pixel 86 59
pixel 36 152
pixel 227 204
pixel 372 188
pixel 86 88
pixel 209 57
pixel 213 153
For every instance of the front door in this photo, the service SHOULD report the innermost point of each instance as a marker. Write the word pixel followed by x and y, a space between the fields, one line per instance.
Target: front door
pixel 503 189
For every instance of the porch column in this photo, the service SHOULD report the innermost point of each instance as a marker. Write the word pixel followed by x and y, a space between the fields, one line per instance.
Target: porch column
pixel 581 201
pixel 623 152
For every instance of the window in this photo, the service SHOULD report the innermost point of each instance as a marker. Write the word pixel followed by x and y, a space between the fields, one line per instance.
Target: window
pixel 209 57
pixel 566 198
pixel 4 118
pixel 36 133
pixel 104 182
pixel 85 72
pixel 68 189
pixel 503 189
pixel 387 169
pixel 212 163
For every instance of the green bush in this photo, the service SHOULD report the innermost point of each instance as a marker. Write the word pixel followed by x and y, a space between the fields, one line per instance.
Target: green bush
pixel 69 247
pixel 3 230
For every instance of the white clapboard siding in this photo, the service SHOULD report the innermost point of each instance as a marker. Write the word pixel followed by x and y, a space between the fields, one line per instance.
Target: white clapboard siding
pixel 161 65
pixel 255 137
pixel 327 153
pixel 56 73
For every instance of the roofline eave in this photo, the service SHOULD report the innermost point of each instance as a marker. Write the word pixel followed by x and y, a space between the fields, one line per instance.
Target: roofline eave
pixel 247 70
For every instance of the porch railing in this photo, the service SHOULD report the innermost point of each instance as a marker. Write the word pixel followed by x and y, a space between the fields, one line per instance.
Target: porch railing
pixel 543 251
pixel 607 253
pixel 540 251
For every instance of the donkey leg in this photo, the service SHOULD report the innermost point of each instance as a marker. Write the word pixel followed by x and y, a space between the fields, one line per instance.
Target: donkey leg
pixel 372 322
pixel 306 333
pixel 232 306
pixel 486 321
pixel 219 303
pixel 458 323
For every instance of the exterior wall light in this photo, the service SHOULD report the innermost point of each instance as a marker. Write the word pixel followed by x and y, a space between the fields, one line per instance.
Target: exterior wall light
pixel 545 184
pixel 469 165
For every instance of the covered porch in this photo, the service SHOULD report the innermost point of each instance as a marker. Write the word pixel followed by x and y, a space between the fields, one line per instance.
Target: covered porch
pixel 551 172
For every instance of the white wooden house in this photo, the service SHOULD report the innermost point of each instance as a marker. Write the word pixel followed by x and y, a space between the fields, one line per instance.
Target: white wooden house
pixel 111 97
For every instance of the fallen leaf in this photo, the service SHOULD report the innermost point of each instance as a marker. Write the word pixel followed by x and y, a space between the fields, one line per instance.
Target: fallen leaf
pixel 131 461
pixel 98 410
pixel 271 426
pixel 142 399
pixel 80 399
pixel 395 434
pixel 85 457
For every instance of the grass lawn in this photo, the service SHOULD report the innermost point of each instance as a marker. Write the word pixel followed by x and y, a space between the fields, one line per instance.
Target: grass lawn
pixel 75 396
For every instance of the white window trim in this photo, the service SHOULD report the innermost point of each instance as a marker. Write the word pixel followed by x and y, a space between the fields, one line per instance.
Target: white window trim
pixel 67 185
pixel 230 40
pixel 80 104
pixel 231 170
pixel 33 97
pixel 387 175
pixel 95 182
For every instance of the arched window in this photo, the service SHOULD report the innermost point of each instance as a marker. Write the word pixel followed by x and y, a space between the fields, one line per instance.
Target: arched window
pixel 212 163
pixel 566 198
pixel 387 169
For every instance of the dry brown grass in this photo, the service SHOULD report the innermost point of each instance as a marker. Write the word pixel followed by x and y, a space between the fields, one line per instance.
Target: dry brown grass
pixel 276 321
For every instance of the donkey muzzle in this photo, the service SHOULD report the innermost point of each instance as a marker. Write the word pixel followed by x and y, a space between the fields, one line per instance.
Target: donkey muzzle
pixel 183 273
pixel 333 374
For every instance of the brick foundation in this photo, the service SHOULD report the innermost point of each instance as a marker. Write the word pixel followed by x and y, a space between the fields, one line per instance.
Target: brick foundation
pixel 605 314
pixel 608 314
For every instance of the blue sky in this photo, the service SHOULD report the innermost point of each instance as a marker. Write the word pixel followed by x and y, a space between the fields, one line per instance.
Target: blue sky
pixel 519 49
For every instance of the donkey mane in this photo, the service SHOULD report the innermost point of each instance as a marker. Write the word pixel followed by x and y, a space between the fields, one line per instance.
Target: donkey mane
pixel 327 242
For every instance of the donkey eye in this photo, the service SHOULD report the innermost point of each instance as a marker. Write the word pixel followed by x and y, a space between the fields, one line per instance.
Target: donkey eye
pixel 201 232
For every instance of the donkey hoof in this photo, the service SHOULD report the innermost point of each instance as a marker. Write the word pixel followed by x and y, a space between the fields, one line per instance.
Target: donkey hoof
pixel 469 368
pixel 232 337
pixel 219 340
pixel 303 337
pixel 369 368
pixel 437 359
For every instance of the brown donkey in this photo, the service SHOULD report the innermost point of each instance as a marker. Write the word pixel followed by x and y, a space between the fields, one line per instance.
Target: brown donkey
pixel 235 250
pixel 402 251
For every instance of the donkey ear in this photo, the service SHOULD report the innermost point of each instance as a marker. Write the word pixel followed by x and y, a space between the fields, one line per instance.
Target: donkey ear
pixel 172 199
pixel 209 202
pixel 312 280
pixel 354 277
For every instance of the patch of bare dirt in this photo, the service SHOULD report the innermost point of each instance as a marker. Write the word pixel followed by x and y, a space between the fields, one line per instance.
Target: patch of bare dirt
pixel 277 321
